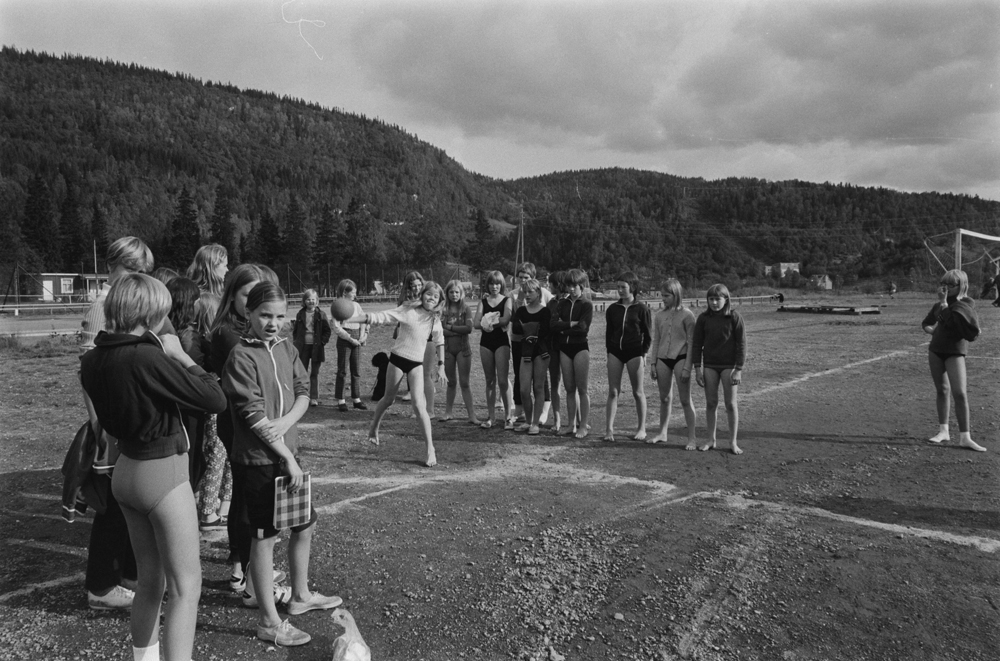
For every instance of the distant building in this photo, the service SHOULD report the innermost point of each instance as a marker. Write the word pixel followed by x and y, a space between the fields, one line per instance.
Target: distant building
pixel 62 287
pixel 781 269
pixel 821 282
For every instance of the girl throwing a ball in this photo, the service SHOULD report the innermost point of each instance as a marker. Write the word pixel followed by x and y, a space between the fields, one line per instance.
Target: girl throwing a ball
pixel 418 320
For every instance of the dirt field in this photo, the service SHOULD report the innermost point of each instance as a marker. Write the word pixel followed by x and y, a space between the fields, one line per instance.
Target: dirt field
pixel 840 534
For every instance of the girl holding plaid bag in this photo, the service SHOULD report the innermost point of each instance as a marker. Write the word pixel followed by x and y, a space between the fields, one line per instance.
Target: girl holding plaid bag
pixel 260 370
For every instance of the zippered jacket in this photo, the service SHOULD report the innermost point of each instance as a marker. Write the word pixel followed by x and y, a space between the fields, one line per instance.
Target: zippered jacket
pixel 629 326
pixel 138 392
pixel 262 381
pixel 568 310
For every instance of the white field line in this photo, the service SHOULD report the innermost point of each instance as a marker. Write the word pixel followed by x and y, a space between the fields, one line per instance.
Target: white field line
pixel 75 578
pixel 54 517
pixel 984 544
pixel 41 496
pixel 829 372
pixel 78 551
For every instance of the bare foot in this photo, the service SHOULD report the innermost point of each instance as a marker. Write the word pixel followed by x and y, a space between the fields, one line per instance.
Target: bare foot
pixel 707 446
pixel 971 445
pixel 940 437
pixel 582 433
pixel 735 448
pixel 373 438
pixel 474 421
pixel 659 438
pixel 609 437
pixel 431 461
pixel 691 446
pixel 447 418
pixel 640 435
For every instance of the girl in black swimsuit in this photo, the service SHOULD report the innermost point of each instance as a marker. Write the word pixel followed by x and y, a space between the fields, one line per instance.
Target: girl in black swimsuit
pixel 494 347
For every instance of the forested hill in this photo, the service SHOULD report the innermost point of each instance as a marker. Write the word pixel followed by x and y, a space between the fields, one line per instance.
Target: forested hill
pixel 95 149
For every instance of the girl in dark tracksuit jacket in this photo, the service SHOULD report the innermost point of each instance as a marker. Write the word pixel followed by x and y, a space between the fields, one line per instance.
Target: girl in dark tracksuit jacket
pixel 574 314
pixel 138 385
pixel 720 342
pixel 627 339
pixel 952 324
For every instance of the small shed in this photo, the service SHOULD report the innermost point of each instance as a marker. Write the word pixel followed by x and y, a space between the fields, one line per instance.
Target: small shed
pixel 821 282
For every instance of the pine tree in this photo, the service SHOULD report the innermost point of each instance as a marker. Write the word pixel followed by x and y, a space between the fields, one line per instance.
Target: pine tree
pixel 298 241
pixel 185 235
pixel 221 230
pixel 250 246
pixel 40 229
pixel 99 232
pixel 72 236
pixel 331 238
pixel 479 252
pixel 366 236
pixel 269 244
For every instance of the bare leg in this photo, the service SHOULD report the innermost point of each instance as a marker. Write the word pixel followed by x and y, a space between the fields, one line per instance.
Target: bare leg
pixel 569 379
pixel 690 417
pixel 415 379
pixel 490 376
pixel 452 388
pixel 664 386
pixel 299 545
pixel 730 390
pixel 430 385
pixel 464 362
pixel 636 371
pixel 615 368
pixel 393 376
pixel 262 575
pixel 581 370
pixel 942 399
pixel 524 381
pixel 502 361
pixel 956 376
pixel 555 370
pixel 711 407
pixel 539 369
pixel 166 544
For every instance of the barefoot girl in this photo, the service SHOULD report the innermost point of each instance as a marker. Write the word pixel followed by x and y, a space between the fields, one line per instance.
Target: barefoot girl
pixel 557 286
pixel 138 383
pixel 492 317
pixel 268 390
pixel 457 324
pixel 720 342
pixel 627 339
pixel 673 335
pixel 418 320
pixel 574 315
pixel 952 323
pixel 531 322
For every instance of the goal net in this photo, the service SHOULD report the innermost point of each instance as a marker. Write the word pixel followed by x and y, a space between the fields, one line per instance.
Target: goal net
pixel 975 253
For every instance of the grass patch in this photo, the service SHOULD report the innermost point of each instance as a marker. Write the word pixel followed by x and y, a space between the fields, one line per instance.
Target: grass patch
pixel 855 322
pixel 12 346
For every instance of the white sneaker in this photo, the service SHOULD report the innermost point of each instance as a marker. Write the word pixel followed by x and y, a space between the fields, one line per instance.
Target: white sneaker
pixel 117 597
pixel 282 595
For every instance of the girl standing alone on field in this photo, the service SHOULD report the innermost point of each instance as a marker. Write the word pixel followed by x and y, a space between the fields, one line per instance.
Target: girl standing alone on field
pixel 627 339
pixel 952 324
pixel 720 343
pixel 310 333
pixel 457 324
pixel 492 317
pixel 673 336
pixel 574 314
pixel 417 320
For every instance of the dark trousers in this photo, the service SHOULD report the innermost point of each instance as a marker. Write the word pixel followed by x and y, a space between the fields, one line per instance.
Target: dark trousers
pixel 348 352
pixel 238 526
pixel 109 557
pixel 306 358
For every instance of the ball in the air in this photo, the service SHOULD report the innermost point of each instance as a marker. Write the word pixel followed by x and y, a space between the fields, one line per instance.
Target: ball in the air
pixel 342 309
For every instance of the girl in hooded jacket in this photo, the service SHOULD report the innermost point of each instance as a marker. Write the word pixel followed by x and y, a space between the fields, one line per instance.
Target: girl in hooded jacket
pixel 952 323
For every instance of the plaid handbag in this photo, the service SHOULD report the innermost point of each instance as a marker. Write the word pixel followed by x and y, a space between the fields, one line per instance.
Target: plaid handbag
pixel 291 509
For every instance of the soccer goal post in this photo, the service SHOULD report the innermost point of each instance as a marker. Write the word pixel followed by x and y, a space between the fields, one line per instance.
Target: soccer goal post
pixel 959 233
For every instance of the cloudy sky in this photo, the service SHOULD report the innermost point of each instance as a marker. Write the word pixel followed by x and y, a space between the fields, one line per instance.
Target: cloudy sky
pixel 903 94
